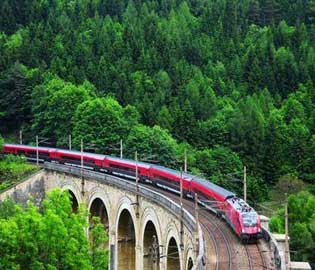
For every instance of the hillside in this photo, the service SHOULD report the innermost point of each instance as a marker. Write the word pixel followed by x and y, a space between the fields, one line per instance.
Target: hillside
pixel 232 82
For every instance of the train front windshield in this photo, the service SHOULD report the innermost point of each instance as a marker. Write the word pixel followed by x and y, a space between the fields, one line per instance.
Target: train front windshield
pixel 250 219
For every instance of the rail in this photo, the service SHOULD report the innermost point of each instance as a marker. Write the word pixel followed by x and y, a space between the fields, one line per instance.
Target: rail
pixel 188 220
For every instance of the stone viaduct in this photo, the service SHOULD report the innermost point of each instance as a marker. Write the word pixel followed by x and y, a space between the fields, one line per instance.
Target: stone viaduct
pixel 146 229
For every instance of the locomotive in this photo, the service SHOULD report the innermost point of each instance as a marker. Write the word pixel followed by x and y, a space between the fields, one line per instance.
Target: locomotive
pixel 242 218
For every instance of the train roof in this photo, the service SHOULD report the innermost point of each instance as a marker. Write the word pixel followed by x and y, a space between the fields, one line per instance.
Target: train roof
pixel 87 154
pixel 169 170
pixel 29 147
pixel 129 161
pixel 220 190
pixel 241 206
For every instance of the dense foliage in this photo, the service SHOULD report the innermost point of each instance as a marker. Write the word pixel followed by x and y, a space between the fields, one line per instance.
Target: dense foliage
pixel 14 169
pixel 49 238
pixel 234 74
pixel 230 81
pixel 1 143
pixel 301 225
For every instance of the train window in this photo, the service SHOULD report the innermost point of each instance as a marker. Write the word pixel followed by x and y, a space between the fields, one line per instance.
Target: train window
pixel 249 219
pixel 89 161
pixel 121 167
pixel 31 153
pixel 166 179
pixel 20 152
pixel 44 154
pixel 203 196
pixel 71 158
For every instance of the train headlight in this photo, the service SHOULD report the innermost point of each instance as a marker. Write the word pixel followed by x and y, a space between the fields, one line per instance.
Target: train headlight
pixel 243 230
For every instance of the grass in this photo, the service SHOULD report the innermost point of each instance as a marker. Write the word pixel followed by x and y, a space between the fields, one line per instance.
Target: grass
pixel 13 169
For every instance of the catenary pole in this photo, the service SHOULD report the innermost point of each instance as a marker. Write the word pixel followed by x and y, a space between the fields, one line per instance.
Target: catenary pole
pixel 286 233
pixel 185 162
pixel 181 211
pixel 137 185
pixel 70 142
pixel 37 153
pixel 245 184
pixel 121 149
pixel 197 224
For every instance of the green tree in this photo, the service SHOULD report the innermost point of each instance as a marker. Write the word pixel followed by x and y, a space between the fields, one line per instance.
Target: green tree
pixel 50 238
pixel 98 240
pixel 201 97
pixel 247 128
pixel 165 119
pixel 299 135
pixel 276 140
pixel 286 71
pixel 309 162
pixel 254 12
pixel 185 117
pixel 301 225
pixel 54 106
pixel 15 95
pixel 293 109
pixel 215 130
pixel 1 143
pixel 154 144
pixel 217 164
pixel 99 122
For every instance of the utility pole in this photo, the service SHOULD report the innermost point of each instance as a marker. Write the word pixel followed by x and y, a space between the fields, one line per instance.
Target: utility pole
pixel 82 165
pixel 121 149
pixel 21 137
pixel 185 161
pixel 37 154
pixel 197 223
pixel 181 211
pixel 82 158
pixel 245 185
pixel 70 142
pixel 286 232
pixel 137 186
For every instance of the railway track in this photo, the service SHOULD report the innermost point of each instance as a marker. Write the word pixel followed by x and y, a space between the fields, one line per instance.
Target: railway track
pixel 224 251
pixel 255 257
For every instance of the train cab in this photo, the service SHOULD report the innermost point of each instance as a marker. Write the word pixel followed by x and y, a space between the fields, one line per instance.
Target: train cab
pixel 251 228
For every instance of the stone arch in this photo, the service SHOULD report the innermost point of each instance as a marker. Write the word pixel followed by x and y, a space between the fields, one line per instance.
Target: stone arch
pixel 98 209
pixel 173 253
pixel 150 240
pixel 100 205
pixel 126 236
pixel 75 196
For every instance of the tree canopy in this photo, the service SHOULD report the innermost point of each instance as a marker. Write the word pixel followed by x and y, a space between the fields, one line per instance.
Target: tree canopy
pixel 52 237
pixel 230 81
pixel 301 208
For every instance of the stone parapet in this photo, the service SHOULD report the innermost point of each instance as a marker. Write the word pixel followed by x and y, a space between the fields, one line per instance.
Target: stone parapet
pixel 300 266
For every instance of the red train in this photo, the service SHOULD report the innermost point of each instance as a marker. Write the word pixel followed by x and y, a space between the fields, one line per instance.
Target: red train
pixel 243 219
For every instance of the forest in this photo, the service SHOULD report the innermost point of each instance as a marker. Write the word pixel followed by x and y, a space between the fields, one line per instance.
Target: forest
pixel 230 82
